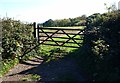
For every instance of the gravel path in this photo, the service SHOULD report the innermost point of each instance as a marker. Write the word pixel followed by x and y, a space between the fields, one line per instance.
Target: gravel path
pixel 61 70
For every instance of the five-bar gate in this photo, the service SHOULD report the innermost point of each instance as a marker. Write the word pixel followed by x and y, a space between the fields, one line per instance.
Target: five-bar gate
pixel 59 36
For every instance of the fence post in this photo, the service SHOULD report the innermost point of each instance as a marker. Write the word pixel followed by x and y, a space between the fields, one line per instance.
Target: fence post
pixel 38 27
pixel 34 26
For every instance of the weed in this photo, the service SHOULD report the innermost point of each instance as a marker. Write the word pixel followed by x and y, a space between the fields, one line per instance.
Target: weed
pixel 25 79
pixel 35 77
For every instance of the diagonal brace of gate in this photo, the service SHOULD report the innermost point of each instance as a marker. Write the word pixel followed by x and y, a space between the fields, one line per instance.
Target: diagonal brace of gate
pixel 49 36
pixel 71 37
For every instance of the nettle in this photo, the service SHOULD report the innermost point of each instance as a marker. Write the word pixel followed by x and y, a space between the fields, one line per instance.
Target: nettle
pixel 16 38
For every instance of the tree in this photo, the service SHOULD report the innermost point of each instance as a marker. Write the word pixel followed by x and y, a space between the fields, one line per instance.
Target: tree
pixel 111 7
pixel 48 23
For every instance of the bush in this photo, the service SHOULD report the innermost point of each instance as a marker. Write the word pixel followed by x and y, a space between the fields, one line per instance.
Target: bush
pixel 17 38
pixel 102 44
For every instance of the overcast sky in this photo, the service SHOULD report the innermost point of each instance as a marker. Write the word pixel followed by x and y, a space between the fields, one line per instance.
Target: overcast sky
pixel 42 10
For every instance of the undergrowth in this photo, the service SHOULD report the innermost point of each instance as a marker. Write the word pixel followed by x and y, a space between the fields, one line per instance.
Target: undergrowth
pixel 7 65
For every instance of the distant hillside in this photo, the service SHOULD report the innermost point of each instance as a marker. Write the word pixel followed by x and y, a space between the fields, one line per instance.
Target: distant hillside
pixel 78 21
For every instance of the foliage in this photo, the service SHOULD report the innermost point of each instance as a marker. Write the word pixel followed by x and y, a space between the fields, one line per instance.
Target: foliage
pixel 35 77
pixel 17 38
pixel 111 7
pixel 31 77
pixel 99 48
pixel 25 79
pixel 102 46
pixel 7 65
pixel 78 21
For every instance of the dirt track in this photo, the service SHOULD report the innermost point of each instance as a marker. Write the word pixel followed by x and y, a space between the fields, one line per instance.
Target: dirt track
pixel 51 71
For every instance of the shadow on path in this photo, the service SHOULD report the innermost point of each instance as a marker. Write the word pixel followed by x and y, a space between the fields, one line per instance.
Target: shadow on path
pixel 65 69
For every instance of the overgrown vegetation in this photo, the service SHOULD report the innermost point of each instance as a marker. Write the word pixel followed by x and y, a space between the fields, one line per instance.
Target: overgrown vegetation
pixel 100 56
pixel 17 38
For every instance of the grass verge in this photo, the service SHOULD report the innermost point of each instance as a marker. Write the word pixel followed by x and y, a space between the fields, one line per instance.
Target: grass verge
pixel 7 65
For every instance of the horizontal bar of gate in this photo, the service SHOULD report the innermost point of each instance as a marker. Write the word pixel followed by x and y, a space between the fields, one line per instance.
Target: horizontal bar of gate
pixel 59 41
pixel 62 33
pixel 60 37
pixel 60 45
pixel 45 28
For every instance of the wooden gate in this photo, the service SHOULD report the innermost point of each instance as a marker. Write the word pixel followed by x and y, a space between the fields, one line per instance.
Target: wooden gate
pixel 61 36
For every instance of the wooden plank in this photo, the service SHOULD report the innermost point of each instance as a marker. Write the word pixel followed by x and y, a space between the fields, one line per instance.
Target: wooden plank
pixel 44 28
pixel 59 41
pixel 59 45
pixel 61 33
pixel 60 37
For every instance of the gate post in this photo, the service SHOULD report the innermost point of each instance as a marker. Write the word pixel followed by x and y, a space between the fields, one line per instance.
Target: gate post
pixel 36 31
pixel 34 26
pixel 38 27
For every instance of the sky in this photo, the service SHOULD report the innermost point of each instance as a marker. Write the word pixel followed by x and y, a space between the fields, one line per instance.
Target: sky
pixel 42 10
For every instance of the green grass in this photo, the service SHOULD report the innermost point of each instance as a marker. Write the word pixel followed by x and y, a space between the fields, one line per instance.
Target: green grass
pixel 53 51
pixel 7 65
pixel 31 77
pixel 35 77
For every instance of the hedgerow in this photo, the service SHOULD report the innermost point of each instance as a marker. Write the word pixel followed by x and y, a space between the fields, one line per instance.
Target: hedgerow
pixel 102 44
pixel 17 38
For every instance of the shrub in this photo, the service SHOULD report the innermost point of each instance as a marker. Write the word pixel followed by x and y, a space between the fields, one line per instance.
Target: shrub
pixel 103 44
pixel 17 38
